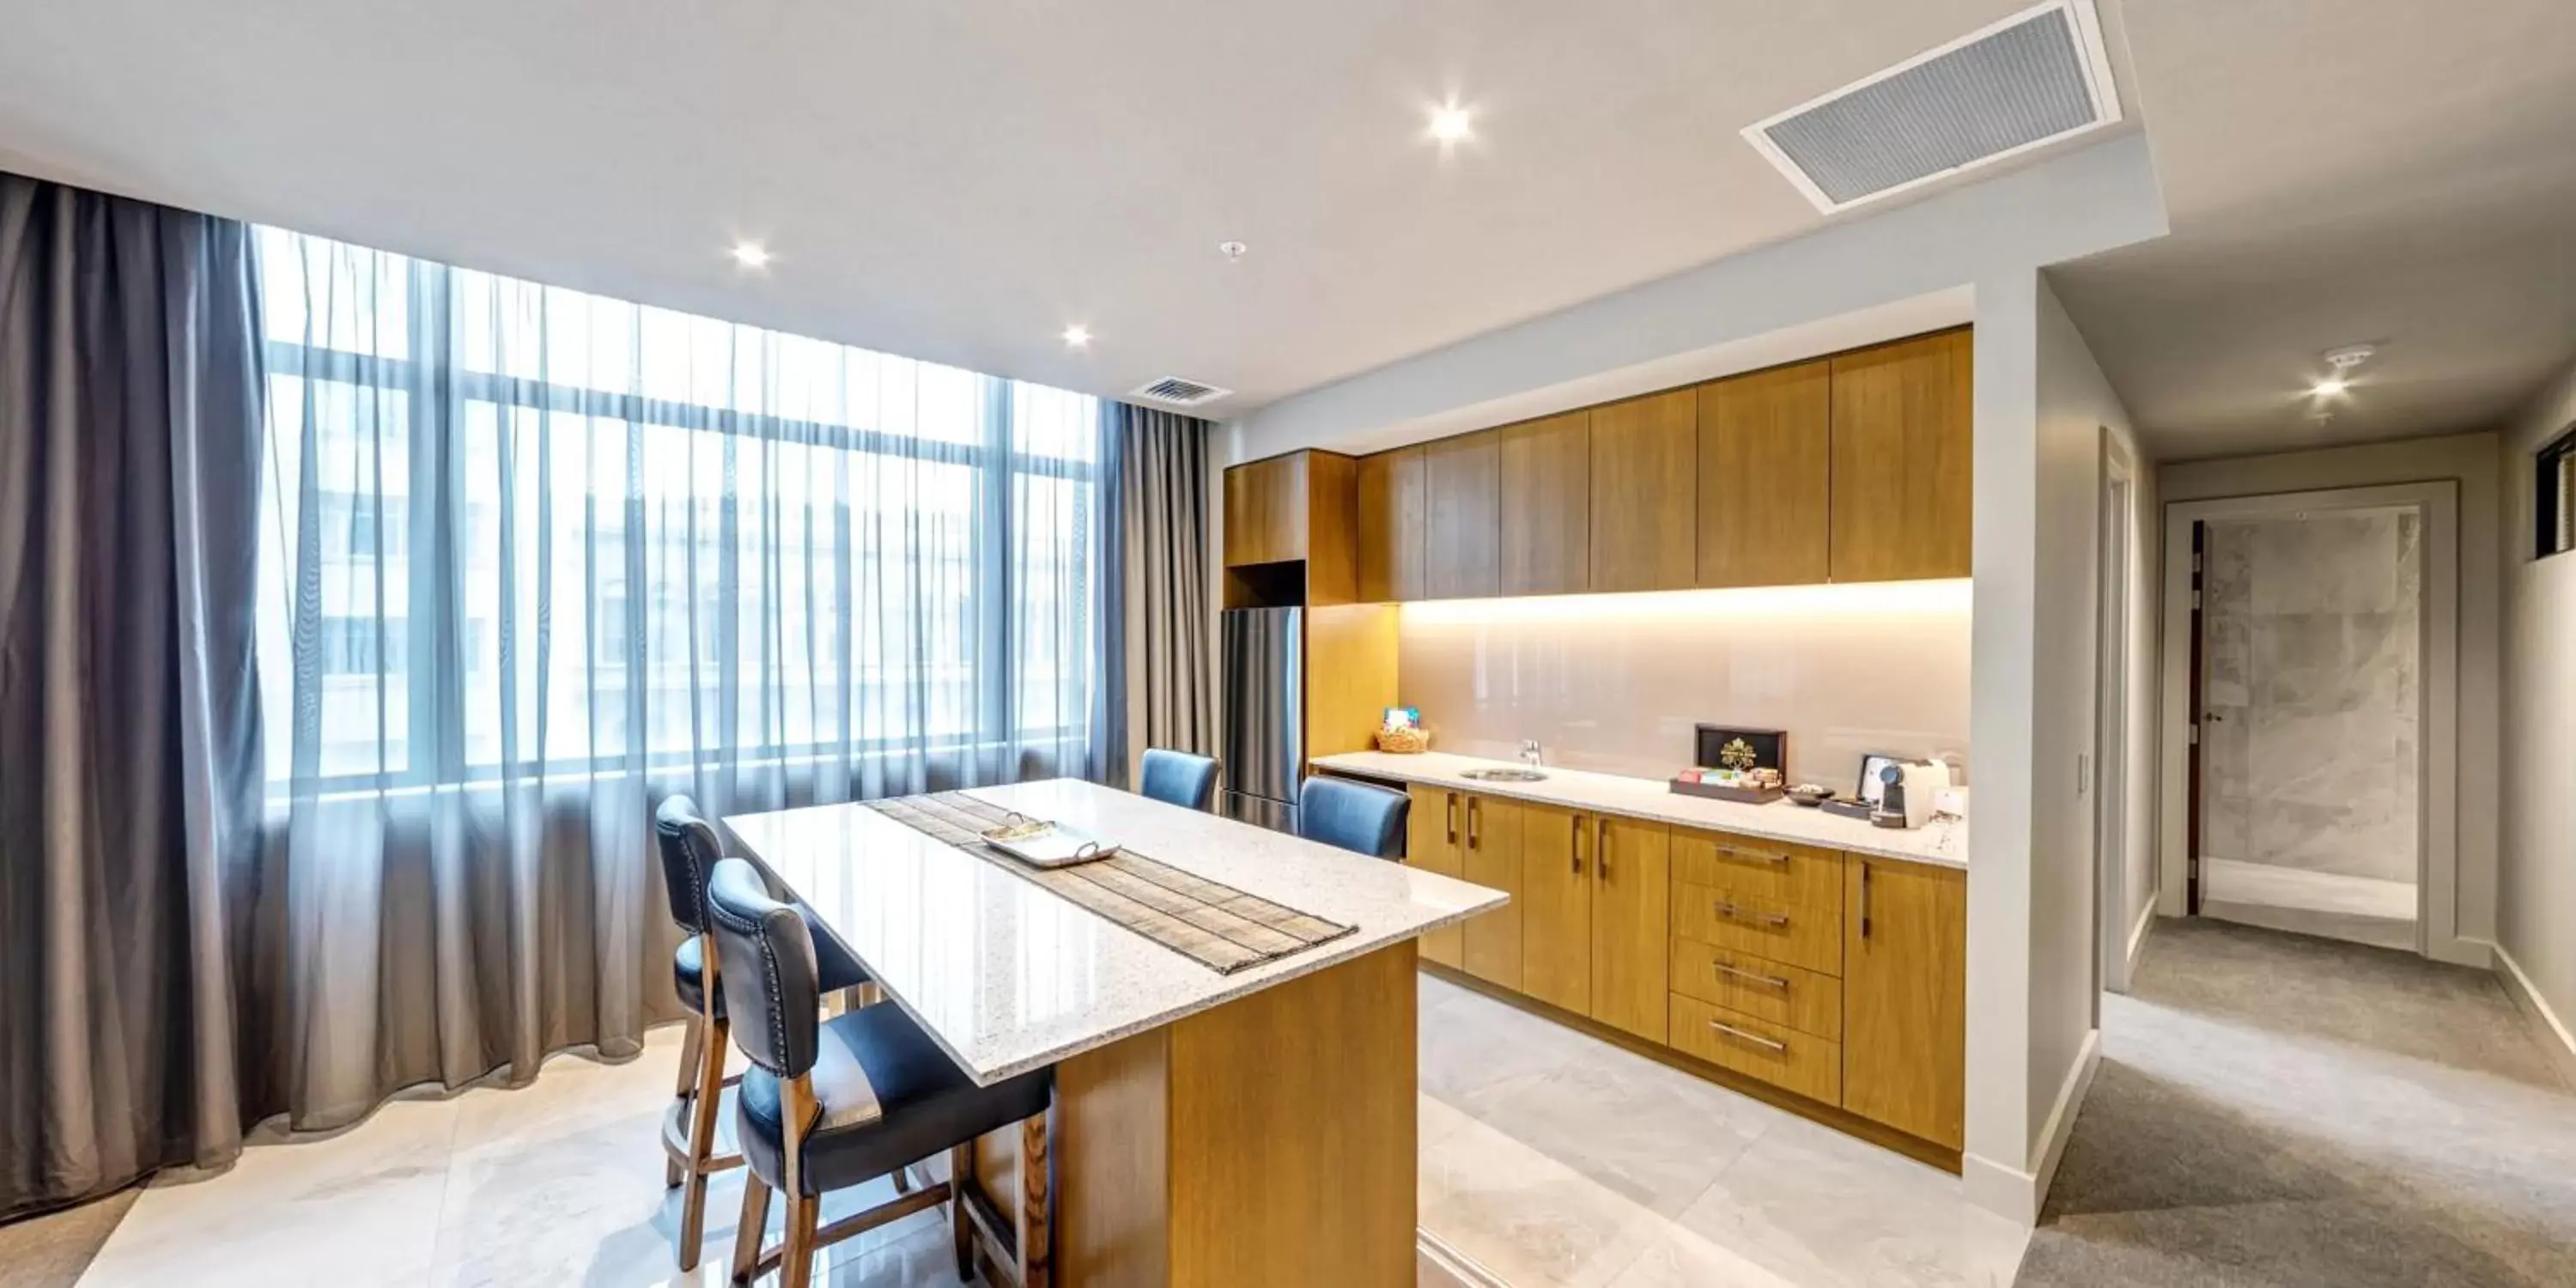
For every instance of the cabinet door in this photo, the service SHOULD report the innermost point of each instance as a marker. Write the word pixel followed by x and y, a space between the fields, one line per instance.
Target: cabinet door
pixel 1431 832
pixel 1631 924
pixel 1460 491
pixel 1905 996
pixel 1546 533
pixel 1903 442
pixel 1493 858
pixel 1265 511
pixel 1391 526
pixel 1645 484
pixel 1556 911
pixel 1766 477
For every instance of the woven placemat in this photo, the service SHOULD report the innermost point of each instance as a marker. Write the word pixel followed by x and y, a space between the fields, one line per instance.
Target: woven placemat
pixel 1209 922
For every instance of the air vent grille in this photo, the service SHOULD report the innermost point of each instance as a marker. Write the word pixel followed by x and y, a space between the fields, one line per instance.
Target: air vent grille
pixel 1176 392
pixel 2036 77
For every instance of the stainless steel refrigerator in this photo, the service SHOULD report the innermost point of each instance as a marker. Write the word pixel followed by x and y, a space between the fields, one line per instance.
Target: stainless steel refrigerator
pixel 1265 714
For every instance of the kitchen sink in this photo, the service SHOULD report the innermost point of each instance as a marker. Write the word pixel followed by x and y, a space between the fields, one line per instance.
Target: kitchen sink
pixel 1503 775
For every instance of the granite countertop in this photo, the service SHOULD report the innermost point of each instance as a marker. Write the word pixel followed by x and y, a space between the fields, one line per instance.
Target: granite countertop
pixel 1008 976
pixel 1942 843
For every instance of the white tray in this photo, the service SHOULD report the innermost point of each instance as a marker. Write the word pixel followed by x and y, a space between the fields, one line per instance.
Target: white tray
pixel 1057 847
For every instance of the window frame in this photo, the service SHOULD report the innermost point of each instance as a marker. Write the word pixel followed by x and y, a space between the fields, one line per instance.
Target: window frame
pixel 435 617
pixel 2553 508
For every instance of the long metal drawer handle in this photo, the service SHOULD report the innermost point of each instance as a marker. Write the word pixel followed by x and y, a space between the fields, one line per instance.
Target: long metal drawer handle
pixel 1756 855
pixel 1768 981
pixel 1730 911
pixel 1755 1039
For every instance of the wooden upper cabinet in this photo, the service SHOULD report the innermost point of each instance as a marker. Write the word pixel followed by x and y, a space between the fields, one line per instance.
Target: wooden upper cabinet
pixel 1905 996
pixel 1903 443
pixel 1645 481
pixel 1332 528
pixel 1546 535
pixel 1766 477
pixel 1460 488
pixel 1265 511
pixel 1391 523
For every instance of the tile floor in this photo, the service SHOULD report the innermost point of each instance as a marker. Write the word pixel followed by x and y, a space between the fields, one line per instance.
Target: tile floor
pixel 1547 1159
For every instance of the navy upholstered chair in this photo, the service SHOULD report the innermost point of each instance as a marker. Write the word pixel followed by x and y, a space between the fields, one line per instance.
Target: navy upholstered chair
pixel 1355 816
pixel 1179 778
pixel 690 850
pixel 832 1104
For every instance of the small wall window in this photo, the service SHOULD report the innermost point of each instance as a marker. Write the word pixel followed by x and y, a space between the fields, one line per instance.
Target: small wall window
pixel 2556 507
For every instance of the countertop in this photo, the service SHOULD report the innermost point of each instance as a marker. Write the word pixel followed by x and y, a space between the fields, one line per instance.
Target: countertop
pixel 1007 976
pixel 1941 843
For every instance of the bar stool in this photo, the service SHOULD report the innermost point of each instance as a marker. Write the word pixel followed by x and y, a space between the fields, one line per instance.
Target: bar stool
pixel 828 1105
pixel 1354 816
pixel 1178 778
pixel 689 850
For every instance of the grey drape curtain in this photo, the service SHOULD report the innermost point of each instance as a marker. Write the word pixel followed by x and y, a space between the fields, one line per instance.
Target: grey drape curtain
pixel 129 779
pixel 1163 522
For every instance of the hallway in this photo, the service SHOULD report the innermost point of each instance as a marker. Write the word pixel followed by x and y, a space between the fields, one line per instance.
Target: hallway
pixel 2277 1109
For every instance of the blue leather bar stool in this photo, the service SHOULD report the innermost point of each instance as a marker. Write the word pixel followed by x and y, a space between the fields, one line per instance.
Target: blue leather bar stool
pixel 1355 816
pixel 689 850
pixel 1179 778
pixel 832 1104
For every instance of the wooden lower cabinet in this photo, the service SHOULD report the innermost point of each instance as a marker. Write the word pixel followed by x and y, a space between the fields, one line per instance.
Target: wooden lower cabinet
pixel 1556 912
pixel 1782 932
pixel 1432 842
pixel 1631 924
pixel 1766 990
pixel 1777 1054
pixel 1905 996
pixel 1492 857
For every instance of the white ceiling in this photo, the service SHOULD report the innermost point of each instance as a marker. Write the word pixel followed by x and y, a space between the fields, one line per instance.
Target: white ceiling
pixel 2393 172
pixel 961 181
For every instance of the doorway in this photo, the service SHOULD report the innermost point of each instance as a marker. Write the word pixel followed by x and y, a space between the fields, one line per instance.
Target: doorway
pixel 2318 675
pixel 2113 934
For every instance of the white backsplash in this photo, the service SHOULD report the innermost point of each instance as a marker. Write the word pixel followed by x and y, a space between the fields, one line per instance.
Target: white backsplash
pixel 1615 683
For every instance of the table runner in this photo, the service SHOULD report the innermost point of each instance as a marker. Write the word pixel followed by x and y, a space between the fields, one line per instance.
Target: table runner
pixel 1214 924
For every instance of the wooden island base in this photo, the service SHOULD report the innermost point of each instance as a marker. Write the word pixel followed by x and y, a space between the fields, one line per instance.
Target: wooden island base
pixel 1268 1141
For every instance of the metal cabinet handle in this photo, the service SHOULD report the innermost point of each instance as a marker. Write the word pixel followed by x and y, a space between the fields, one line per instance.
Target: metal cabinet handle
pixel 1472 803
pixel 1577 822
pixel 1601 847
pixel 1753 1039
pixel 1864 900
pixel 1767 981
pixel 1453 818
pixel 1777 860
pixel 1733 913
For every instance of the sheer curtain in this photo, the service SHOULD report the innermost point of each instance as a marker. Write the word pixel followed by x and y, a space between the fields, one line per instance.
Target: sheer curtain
pixel 529 555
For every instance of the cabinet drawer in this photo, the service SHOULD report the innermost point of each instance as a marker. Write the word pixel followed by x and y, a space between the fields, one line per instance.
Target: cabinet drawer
pixel 1764 989
pixel 1782 871
pixel 1775 1053
pixel 1782 932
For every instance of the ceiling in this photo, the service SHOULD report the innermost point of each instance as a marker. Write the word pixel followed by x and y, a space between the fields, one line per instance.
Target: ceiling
pixel 2389 172
pixel 960 182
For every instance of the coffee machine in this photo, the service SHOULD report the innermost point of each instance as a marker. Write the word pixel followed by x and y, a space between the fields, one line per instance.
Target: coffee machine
pixel 1909 792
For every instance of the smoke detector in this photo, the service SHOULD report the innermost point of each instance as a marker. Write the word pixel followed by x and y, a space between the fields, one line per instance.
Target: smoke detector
pixel 2035 78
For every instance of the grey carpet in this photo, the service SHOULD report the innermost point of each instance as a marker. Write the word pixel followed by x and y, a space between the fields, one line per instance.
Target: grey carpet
pixel 2274 1109
pixel 51 1251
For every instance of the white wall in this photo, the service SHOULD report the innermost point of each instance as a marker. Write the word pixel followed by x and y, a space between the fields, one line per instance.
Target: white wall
pixel 2537 853
pixel 2472 460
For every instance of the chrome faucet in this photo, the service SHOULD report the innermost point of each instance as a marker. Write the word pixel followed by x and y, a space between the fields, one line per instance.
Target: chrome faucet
pixel 1529 752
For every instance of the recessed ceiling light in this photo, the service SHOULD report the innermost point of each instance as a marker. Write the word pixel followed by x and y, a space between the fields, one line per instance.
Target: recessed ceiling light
pixel 750 254
pixel 1451 123
pixel 2330 387
pixel 1232 250
pixel 1077 335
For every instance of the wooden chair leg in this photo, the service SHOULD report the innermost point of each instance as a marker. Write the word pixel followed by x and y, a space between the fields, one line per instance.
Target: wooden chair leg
pixel 751 1229
pixel 688 1078
pixel 702 1142
pixel 961 1227
pixel 796 1270
pixel 1037 1204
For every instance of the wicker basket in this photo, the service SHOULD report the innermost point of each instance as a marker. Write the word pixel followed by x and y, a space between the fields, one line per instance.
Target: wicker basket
pixel 1404 742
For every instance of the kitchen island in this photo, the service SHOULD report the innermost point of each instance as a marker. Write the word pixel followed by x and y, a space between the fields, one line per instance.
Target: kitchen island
pixel 1248 1128
pixel 1816 962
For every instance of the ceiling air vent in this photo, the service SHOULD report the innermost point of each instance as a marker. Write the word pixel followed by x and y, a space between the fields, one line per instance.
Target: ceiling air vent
pixel 2034 78
pixel 1172 391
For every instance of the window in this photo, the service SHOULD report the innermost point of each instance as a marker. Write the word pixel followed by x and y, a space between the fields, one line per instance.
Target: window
pixel 510 528
pixel 2555 506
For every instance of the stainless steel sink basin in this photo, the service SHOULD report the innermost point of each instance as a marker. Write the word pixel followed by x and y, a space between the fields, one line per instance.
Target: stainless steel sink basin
pixel 1504 775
